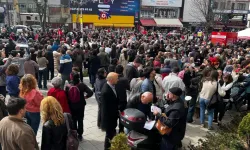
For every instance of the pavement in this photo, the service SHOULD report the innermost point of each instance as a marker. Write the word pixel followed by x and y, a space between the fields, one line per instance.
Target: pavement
pixel 93 138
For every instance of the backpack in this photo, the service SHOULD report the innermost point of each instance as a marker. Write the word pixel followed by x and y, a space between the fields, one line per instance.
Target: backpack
pixel 72 142
pixel 73 93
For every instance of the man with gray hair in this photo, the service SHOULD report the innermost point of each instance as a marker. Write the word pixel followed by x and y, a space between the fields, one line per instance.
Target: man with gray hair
pixel 50 65
pixel 104 58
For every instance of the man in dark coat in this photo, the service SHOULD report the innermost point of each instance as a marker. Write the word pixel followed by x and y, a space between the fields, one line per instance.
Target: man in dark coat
pixel 121 87
pixel 131 69
pixel 110 102
pixel 141 102
pixel 9 47
pixel 50 65
pixel 176 119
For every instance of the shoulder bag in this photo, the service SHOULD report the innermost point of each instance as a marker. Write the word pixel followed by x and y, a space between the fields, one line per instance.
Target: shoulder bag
pixel 72 142
pixel 161 127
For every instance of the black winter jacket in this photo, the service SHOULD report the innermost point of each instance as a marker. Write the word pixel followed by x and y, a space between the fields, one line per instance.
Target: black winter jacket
pixel 54 137
pixel 176 120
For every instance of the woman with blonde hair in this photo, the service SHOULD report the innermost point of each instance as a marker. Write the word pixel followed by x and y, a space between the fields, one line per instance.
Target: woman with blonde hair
pixel 33 97
pixel 54 132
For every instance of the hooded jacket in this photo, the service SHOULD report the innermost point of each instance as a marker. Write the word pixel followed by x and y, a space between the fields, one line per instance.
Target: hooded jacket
pixel 61 97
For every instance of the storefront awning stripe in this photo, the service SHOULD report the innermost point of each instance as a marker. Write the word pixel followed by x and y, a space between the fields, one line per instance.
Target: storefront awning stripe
pixel 168 23
pixel 148 22
pixel 124 25
pixel 103 25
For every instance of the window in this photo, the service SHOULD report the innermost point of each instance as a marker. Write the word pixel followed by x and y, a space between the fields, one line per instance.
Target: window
pixel 147 14
pixel 28 18
pixel 233 6
pixel 222 5
pixel 36 18
pixel 241 6
pixel 22 6
pixel 216 5
pixel 166 13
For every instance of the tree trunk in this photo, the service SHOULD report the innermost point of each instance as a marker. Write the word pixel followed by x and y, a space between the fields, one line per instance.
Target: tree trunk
pixel 44 14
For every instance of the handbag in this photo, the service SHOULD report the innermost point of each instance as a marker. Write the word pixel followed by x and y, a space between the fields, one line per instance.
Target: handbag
pixel 161 127
pixel 72 142
pixel 214 100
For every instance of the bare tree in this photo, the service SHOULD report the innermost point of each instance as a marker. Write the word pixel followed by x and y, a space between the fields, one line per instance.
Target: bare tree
pixel 206 13
pixel 42 12
pixel 202 11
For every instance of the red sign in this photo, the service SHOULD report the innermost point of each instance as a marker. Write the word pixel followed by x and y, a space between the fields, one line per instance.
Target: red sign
pixel 219 38
pixel 223 38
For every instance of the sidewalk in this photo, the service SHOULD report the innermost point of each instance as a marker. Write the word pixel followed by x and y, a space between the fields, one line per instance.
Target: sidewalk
pixel 93 138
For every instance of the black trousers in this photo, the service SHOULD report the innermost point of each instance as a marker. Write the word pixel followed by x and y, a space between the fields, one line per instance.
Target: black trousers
pixel 99 115
pixel 77 117
pixel 110 133
pixel 81 74
pixel 220 109
pixel 51 70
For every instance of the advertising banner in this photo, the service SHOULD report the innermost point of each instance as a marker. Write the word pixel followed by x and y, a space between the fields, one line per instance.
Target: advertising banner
pixel 170 3
pixel 219 38
pixel 106 8
pixel 224 38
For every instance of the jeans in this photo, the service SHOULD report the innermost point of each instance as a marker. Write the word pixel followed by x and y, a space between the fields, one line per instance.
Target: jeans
pixel 92 79
pixel 110 133
pixel 77 117
pixel 33 119
pixel 191 109
pixel 3 90
pixel 203 107
pixel 42 75
pixel 51 70
pixel 64 78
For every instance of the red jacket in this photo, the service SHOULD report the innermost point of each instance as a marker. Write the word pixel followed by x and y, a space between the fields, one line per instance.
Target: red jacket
pixel 61 97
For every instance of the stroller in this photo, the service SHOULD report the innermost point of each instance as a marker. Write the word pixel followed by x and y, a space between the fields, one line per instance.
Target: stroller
pixel 237 96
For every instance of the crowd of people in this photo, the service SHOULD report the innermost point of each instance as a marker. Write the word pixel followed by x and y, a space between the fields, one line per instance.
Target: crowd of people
pixel 126 69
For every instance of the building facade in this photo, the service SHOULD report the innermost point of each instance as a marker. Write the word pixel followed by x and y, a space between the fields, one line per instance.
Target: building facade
pixel 161 13
pixel 227 14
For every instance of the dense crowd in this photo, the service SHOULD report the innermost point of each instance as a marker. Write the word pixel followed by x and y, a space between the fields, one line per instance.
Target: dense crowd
pixel 126 69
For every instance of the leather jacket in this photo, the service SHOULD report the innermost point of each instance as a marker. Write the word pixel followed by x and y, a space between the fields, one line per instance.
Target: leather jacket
pixel 54 137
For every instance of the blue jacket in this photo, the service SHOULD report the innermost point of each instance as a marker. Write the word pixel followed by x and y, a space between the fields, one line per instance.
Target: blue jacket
pixel 65 65
pixel 54 47
pixel 147 86
pixel 12 83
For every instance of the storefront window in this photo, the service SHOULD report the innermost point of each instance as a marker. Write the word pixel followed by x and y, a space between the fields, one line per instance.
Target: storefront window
pixel 166 13
pixel 147 14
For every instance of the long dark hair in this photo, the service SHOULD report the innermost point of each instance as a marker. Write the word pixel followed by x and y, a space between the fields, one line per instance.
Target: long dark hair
pixel 39 54
pixel 113 51
pixel 213 76
pixel 125 55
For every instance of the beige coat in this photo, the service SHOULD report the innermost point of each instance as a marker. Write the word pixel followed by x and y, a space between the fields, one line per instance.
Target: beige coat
pixel 56 56
pixel 15 134
pixel 123 62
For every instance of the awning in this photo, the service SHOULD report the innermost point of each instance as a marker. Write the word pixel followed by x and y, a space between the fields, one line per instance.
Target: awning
pixel 148 22
pixel 103 25
pixel 124 25
pixel 168 23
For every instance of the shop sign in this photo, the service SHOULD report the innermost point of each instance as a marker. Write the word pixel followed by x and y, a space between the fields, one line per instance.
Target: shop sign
pixel 170 3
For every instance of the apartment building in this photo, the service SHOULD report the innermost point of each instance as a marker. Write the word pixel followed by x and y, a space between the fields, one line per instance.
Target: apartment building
pixel 230 14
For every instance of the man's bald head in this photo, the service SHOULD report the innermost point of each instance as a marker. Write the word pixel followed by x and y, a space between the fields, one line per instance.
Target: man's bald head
pixel 146 97
pixel 112 78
